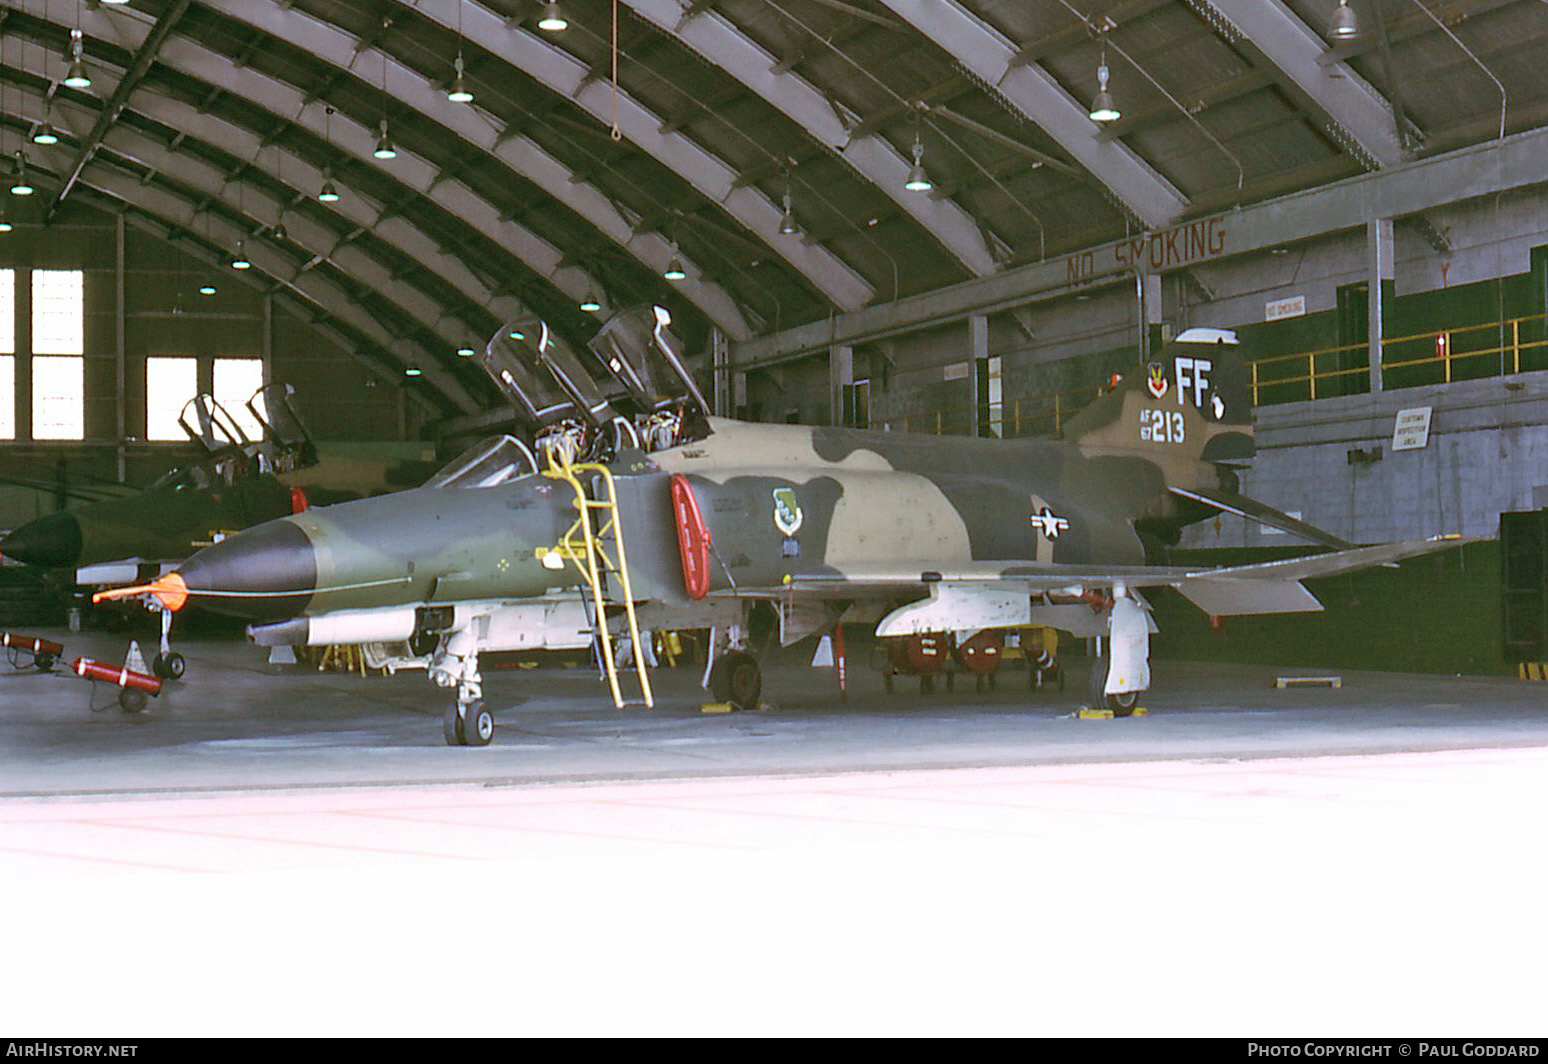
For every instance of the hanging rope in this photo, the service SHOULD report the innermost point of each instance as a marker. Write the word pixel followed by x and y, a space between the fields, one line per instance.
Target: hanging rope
pixel 617 131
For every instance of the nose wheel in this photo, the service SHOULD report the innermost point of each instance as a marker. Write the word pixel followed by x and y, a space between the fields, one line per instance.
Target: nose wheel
pixel 471 725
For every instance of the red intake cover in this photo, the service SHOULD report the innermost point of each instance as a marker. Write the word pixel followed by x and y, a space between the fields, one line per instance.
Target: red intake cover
pixel 693 539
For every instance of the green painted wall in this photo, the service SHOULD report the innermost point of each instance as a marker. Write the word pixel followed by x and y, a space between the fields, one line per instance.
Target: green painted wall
pixel 1437 614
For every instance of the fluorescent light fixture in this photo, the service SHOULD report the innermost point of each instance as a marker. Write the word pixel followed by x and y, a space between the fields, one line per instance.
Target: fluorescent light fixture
pixel 590 303
pixel 466 351
pixel 207 289
pixel 413 371
pixel 239 261
pixel 5 226
pixel 45 135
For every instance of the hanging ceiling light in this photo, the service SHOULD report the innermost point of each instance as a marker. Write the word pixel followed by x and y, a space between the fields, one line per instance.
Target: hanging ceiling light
pixel 590 303
pixel 459 93
pixel 412 371
pixel 384 148
pixel 1103 109
pixel 328 193
pixel 918 180
pixel 22 187
pixel 466 351
pixel 1344 26
pixel 5 222
pixel 45 134
pixel 787 222
pixel 552 20
pixel 206 289
pixel 76 77
pixel 278 232
pixel 239 260
pixel 674 270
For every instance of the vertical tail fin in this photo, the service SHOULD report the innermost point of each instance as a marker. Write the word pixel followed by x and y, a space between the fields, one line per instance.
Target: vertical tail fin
pixel 1190 403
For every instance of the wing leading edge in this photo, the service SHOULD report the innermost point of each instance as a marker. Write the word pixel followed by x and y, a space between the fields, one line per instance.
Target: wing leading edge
pixel 1262 587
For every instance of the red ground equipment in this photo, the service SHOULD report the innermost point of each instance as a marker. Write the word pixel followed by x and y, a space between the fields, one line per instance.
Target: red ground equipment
pixel 44 651
pixel 133 686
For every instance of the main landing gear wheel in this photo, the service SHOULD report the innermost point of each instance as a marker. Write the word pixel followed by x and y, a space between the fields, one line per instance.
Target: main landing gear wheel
pixel 1122 705
pixel 737 679
pixel 169 666
pixel 473 726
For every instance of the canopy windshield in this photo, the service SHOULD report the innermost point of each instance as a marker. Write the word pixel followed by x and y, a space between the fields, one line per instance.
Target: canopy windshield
pixel 486 464
pixel 541 374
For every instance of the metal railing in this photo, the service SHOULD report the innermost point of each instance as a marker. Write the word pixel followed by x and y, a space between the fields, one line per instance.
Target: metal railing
pixel 1043 414
pixel 1467 352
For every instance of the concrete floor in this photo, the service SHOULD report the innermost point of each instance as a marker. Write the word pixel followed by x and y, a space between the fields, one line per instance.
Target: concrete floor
pixel 1243 861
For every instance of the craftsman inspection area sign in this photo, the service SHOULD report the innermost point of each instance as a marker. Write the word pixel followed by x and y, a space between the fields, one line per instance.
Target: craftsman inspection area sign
pixel 1412 429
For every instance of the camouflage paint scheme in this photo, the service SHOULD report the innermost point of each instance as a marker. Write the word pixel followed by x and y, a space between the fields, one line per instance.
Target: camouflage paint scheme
pixel 883 500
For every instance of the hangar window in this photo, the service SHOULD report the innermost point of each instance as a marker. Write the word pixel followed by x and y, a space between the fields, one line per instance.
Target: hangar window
pixel 8 357
pixel 169 384
pixel 236 381
pixel 58 397
pixel 7 397
pixel 8 312
pixel 58 312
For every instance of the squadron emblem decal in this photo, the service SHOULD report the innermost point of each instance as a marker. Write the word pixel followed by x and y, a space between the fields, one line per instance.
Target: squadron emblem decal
pixel 1049 523
pixel 1156 380
pixel 787 511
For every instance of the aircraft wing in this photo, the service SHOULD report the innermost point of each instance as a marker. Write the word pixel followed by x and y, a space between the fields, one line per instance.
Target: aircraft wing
pixel 1262 587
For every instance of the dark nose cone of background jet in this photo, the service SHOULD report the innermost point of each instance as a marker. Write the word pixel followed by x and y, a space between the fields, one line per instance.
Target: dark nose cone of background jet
pixel 264 574
pixel 53 541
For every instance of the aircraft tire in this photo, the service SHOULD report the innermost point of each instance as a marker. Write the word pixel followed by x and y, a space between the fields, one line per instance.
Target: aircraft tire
pixel 1122 705
pixel 478 725
pixel 170 666
pixel 451 725
pixel 737 680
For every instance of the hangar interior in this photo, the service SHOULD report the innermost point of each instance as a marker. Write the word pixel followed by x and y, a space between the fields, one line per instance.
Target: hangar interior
pixel 877 214
pixel 944 218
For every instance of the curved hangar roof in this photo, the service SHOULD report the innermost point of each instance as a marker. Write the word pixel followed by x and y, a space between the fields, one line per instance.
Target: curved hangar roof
pixel 648 132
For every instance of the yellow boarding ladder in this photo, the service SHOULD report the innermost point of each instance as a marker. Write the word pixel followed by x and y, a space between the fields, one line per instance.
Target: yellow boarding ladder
pixel 585 548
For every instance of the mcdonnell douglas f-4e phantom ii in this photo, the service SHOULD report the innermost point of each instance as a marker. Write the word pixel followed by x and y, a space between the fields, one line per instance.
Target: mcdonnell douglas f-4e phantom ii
pixel 654 514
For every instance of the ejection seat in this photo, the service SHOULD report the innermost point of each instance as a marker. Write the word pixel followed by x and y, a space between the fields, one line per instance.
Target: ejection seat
pixel 651 377
pixel 542 377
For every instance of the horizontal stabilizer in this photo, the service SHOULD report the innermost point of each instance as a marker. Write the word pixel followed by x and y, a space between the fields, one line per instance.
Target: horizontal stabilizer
pixel 1252 510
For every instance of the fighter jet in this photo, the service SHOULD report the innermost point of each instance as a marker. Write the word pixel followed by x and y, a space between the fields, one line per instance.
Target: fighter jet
pixel 629 502
pixel 237 483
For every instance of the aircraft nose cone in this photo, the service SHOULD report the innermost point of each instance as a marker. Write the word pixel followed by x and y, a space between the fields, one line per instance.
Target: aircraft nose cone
pixel 53 541
pixel 264 574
